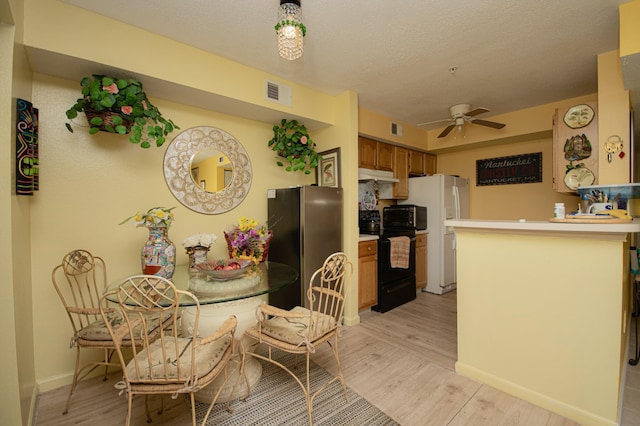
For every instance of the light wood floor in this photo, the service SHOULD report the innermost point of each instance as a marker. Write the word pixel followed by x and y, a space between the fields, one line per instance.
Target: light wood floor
pixel 402 361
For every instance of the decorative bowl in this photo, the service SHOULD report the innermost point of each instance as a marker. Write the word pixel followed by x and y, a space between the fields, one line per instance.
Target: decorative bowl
pixel 224 269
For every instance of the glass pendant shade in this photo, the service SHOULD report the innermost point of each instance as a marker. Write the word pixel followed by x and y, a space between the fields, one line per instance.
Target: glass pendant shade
pixel 290 30
pixel 460 129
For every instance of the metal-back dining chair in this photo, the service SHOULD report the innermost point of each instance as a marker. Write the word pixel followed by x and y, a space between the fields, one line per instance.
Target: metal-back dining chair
pixel 174 363
pixel 302 330
pixel 80 281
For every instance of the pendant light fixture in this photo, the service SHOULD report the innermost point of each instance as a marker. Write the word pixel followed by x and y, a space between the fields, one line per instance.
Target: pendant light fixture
pixel 290 30
pixel 460 129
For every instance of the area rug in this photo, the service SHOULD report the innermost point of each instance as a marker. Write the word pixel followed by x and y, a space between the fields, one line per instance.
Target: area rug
pixel 278 400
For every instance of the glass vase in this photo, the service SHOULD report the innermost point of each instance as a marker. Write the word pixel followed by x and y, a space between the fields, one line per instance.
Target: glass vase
pixel 158 253
pixel 197 254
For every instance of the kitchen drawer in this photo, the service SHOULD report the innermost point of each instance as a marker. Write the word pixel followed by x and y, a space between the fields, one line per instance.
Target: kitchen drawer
pixel 421 240
pixel 367 248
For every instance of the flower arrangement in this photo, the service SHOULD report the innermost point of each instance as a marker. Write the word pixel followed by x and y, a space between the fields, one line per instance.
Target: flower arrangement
pixel 248 239
pixel 292 142
pixel 119 105
pixel 156 216
pixel 199 240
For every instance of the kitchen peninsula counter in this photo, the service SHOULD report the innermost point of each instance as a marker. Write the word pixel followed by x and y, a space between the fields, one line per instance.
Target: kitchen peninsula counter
pixel 616 230
pixel 543 312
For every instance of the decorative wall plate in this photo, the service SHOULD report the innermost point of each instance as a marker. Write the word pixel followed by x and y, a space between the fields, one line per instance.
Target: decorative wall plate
pixel 577 147
pixel 579 116
pixel 369 200
pixel 579 176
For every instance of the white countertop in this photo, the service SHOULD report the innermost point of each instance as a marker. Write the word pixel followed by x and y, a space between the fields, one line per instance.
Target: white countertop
pixel 546 226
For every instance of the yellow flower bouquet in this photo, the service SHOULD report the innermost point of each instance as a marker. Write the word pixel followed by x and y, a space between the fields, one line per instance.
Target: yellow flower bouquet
pixel 248 239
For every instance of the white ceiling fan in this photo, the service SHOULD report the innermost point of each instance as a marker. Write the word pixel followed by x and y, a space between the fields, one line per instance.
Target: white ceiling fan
pixel 462 113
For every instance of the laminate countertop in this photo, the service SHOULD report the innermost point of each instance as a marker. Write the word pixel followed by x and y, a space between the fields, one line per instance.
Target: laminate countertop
pixel 523 225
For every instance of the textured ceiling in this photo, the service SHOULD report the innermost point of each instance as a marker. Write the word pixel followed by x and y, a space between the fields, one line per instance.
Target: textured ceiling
pixel 509 54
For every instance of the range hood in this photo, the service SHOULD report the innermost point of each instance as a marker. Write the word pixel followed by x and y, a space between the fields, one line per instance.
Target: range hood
pixel 377 175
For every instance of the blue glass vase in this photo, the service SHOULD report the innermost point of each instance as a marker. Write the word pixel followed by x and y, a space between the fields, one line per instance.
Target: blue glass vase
pixel 158 253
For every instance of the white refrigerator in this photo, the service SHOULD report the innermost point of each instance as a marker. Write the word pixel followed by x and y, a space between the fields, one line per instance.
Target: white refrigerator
pixel 445 197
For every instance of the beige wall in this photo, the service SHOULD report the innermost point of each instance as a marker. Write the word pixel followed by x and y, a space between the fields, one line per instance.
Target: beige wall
pixel 538 329
pixel 629 30
pixel 17 356
pixel 377 126
pixel 10 315
pixel 530 201
pixel 613 120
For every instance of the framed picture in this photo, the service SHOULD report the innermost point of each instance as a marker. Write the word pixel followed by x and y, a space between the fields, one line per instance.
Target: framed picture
pixel 328 171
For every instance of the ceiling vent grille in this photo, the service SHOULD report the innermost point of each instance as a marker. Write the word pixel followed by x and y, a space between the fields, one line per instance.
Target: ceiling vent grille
pixel 396 129
pixel 278 93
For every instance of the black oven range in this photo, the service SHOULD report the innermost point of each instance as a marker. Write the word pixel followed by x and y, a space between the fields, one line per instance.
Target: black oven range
pixel 396 282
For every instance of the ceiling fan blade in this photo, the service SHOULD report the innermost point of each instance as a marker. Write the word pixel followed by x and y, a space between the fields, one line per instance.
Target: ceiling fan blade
pixel 446 131
pixel 488 123
pixel 433 122
pixel 476 111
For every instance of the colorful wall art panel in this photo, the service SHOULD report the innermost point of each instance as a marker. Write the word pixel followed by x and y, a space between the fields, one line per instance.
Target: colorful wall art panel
pixel 27 178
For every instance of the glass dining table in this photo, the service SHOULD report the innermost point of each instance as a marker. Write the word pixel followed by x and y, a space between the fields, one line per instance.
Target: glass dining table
pixel 218 299
pixel 258 280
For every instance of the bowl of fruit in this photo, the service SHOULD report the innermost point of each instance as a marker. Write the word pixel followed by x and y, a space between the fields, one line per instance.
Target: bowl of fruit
pixel 225 269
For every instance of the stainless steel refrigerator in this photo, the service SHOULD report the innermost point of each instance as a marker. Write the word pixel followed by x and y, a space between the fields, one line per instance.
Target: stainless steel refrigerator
pixel 446 197
pixel 307 228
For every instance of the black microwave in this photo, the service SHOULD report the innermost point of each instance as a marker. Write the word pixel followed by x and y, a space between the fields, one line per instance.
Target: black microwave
pixel 404 216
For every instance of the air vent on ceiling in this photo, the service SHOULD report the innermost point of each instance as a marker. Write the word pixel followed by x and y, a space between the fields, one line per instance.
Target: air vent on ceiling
pixel 277 92
pixel 396 129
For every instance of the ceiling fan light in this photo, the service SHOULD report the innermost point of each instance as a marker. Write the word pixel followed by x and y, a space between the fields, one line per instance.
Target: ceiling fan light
pixel 460 129
pixel 290 30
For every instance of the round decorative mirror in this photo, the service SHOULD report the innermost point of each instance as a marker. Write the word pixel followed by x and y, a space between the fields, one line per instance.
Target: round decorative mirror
pixel 207 170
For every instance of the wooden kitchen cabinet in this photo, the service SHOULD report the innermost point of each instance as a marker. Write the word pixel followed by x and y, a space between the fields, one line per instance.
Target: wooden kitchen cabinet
pixel 374 155
pixel 401 172
pixel 430 163
pixel 367 153
pixel 385 157
pixel 416 163
pixel 421 163
pixel 421 261
pixel 389 158
pixel 367 274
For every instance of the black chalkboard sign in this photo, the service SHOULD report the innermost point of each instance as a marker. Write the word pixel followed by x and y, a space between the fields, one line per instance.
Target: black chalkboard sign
pixel 525 168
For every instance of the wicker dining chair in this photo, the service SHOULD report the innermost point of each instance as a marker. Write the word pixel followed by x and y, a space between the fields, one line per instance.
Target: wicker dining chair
pixel 80 281
pixel 173 363
pixel 302 330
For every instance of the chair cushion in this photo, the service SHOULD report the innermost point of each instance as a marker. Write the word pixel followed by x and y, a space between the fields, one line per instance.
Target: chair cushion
pixel 206 358
pixel 97 330
pixel 296 330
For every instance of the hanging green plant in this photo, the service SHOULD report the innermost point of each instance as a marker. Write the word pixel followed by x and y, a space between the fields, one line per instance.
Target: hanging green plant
pixel 119 105
pixel 292 142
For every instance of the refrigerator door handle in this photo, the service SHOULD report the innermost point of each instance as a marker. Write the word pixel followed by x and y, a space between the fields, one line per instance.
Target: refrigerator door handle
pixel 456 201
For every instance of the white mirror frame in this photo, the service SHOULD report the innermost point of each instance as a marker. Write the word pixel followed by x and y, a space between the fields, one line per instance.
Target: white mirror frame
pixel 177 170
